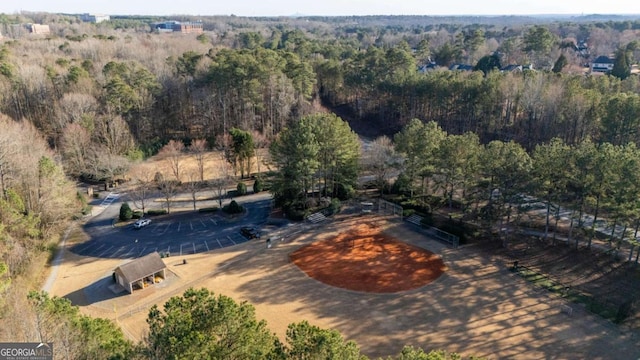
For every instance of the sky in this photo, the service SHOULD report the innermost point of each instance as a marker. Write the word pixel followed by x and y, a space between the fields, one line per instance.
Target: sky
pixel 324 7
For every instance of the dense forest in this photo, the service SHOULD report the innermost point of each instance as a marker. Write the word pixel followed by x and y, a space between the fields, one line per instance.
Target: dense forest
pixel 85 100
pixel 258 75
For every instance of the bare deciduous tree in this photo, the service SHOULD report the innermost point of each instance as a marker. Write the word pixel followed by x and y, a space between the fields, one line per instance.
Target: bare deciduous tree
pixel 114 134
pixel 143 184
pixel 104 165
pixel 199 150
pixel 7 153
pixel 75 108
pixel 193 185
pixel 169 188
pixel 380 159
pixel 74 147
pixel 261 144
pixel 172 152
pixel 222 179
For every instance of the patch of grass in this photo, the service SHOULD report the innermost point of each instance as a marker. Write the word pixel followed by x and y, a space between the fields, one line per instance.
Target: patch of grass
pixel 77 236
pixel 208 209
pixel 607 311
pixel 540 280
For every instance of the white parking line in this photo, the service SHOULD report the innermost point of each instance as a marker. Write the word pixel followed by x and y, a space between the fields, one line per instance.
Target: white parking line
pixel 229 237
pixel 194 247
pixel 214 222
pixel 207 245
pixel 219 244
pixel 202 222
pixel 120 249
pixel 84 247
pixel 191 225
pixel 166 228
pixel 106 251
pixel 141 251
pixel 179 225
pixel 128 254
pixel 98 248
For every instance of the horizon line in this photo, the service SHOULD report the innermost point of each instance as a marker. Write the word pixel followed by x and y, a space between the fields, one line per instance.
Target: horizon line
pixel 335 15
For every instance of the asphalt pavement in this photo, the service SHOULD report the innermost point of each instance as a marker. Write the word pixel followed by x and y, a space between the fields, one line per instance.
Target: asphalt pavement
pixel 175 234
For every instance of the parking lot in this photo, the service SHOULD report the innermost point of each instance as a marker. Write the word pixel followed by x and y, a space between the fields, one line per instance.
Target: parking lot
pixel 173 235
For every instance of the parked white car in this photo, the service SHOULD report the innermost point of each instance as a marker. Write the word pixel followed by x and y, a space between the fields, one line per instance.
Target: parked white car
pixel 141 223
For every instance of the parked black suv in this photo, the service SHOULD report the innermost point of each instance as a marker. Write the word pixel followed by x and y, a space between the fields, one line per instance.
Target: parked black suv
pixel 250 233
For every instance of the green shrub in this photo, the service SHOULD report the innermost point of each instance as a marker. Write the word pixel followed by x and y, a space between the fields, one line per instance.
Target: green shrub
pixel 241 189
pixel 295 214
pixel 408 212
pixel 202 38
pixel 418 205
pixel 266 185
pixel 125 212
pixel 233 208
pixel 402 185
pixel 157 212
pixel 208 209
pixel 137 214
pixel 135 155
pixel 257 185
pixel 335 205
pixel 86 210
pixel 344 192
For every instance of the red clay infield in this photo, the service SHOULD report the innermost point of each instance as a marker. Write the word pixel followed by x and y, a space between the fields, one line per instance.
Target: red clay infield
pixel 364 259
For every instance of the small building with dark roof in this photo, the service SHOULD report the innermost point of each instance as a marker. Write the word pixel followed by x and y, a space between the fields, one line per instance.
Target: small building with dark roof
pixel 461 67
pixel 602 64
pixel 140 271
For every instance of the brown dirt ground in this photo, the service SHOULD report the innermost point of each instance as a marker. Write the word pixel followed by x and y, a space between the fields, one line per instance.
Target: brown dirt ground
pixel 477 307
pixel 611 281
pixel 364 259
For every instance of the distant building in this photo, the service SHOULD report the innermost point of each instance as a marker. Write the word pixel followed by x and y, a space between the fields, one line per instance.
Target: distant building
pixel 583 49
pixel 430 66
pixel 603 64
pixel 461 67
pixel 177 26
pixel 38 29
pixel 511 68
pixel 516 68
pixel 94 18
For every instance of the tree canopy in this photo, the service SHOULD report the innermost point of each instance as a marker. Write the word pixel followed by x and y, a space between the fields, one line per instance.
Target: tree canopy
pixel 320 150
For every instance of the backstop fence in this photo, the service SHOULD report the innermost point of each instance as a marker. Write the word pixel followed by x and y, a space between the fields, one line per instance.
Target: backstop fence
pixel 388 208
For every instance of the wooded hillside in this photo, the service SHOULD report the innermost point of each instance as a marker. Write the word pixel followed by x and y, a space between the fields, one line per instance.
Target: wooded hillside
pixel 86 100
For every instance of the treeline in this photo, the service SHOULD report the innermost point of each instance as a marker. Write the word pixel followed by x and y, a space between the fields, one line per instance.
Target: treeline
pixel 113 97
pixel 493 183
pixel 36 199
pixel 382 87
pixel 127 92
pixel 196 325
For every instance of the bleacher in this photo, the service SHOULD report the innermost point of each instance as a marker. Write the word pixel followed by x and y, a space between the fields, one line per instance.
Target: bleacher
pixel 316 218
pixel 415 219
